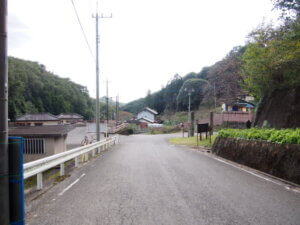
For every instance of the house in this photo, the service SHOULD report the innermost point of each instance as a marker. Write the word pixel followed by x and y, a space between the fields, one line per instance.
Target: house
pixel 239 105
pixel 147 115
pixel 42 141
pixel 37 119
pixel 70 118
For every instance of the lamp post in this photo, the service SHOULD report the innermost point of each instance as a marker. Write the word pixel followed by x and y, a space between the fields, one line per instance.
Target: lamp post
pixel 190 116
pixel 189 94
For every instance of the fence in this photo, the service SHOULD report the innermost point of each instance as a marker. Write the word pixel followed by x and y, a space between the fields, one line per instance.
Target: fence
pixel 237 117
pixel 39 166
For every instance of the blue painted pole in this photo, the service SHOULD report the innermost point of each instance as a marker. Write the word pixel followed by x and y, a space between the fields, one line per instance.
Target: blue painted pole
pixel 16 180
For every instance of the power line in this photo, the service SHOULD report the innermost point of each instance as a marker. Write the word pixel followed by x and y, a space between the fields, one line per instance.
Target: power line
pixel 83 32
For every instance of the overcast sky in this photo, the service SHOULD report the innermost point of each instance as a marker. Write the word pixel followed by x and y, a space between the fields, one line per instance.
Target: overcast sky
pixel 142 46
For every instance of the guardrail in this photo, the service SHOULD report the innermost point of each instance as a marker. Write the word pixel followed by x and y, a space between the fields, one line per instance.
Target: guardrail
pixel 39 166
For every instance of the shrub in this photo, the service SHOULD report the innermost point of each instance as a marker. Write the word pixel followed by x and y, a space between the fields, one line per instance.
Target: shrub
pixel 284 136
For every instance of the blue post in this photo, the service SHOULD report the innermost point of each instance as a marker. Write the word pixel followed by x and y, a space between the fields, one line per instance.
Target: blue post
pixel 16 180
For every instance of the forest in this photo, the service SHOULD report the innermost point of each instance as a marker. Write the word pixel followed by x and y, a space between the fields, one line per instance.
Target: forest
pixel 33 89
pixel 269 61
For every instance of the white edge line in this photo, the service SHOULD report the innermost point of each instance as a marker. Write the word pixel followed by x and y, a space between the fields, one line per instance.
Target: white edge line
pixel 264 178
pixel 67 188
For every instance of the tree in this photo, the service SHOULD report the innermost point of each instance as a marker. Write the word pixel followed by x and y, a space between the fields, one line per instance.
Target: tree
pixel 272 59
pixel 197 86
pixel 289 8
pixel 171 91
pixel 33 89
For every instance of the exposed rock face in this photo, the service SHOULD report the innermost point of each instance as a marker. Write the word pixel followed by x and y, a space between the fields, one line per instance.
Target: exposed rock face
pixel 281 160
pixel 281 109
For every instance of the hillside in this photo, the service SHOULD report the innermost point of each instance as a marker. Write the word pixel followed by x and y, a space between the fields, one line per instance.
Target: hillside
pixel 221 80
pixel 267 67
pixel 34 89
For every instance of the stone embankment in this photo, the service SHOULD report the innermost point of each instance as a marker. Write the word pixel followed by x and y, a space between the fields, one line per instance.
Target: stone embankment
pixel 280 160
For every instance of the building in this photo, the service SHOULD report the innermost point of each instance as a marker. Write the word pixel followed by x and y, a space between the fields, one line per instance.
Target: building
pixel 37 119
pixel 147 115
pixel 239 105
pixel 70 118
pixel 42 141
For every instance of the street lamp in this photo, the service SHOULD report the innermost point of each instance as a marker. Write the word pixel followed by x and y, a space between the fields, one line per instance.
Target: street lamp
pixel 189 94
pixel 189 116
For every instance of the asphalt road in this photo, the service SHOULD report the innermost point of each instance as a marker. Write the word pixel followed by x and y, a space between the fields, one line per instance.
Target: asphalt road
pixel 146 181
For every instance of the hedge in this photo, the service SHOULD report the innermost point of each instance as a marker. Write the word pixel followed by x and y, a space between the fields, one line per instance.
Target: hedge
pixel 283 136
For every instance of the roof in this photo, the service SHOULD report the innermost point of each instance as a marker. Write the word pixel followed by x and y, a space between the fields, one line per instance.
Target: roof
pixel 69 116
pixel 40 131
pixel 143 118
pixel 151 110
pixel 245 103
pixel 37 117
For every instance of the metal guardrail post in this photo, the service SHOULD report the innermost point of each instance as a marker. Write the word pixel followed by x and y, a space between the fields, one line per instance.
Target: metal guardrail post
pixel 62 169
pixel 86 156
pixel 39 181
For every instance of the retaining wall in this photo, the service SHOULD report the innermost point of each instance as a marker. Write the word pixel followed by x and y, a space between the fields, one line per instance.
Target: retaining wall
pixel 280 160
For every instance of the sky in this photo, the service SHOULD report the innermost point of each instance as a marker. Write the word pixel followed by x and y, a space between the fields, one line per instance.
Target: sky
pixel 141 48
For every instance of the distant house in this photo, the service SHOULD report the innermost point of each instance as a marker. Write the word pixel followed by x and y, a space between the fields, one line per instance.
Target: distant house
pixel 42 141
pixel 70 118
pixel 239 105
pixel 37 119
pixel 147 115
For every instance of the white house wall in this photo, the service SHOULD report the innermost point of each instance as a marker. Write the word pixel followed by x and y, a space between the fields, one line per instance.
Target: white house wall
pixel 146 115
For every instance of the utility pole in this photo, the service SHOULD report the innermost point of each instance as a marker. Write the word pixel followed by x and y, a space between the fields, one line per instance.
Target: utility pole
pixel 215 96
pixel 97 75
pixel 4 186
pixel 190 115
pixel 97 17
pixel 107 103
pixel 189 101
pixel 117 110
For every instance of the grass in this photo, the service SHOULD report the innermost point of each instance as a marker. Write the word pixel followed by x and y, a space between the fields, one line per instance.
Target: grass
pixel 165 130
pixel 192 141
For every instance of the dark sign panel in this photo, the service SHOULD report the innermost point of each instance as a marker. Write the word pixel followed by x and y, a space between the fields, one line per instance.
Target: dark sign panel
pixel 202 128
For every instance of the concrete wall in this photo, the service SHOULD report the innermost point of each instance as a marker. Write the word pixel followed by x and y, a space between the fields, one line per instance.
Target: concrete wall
pixel 52 146
pixel 60 145
pixel 281 160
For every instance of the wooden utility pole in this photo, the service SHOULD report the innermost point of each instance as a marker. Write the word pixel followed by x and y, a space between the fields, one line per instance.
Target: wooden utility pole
pixel 4 186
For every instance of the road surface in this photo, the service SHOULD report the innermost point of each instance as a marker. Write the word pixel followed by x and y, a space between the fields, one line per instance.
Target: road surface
pixel 146 181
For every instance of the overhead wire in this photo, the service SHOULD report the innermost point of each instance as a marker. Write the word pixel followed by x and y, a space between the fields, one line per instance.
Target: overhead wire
pixel 82 29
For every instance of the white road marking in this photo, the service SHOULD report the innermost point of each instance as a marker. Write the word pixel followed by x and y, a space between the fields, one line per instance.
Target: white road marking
pixel 67 188
pixel 257 175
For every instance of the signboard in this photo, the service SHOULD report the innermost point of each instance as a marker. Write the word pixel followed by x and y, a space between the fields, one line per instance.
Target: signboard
pixel 202 128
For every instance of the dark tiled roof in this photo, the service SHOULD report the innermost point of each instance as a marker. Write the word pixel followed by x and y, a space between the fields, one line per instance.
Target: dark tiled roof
pixel 151 110
pixel 69 116
pixel 37 117
pixel 40 131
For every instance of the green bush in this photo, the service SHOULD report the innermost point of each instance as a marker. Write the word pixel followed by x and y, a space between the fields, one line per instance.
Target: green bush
pixel 284 136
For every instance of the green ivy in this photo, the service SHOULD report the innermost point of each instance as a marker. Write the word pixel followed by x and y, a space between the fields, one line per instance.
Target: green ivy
pixel 283 136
